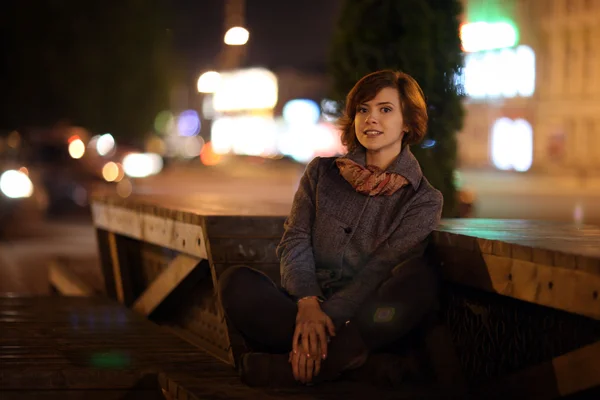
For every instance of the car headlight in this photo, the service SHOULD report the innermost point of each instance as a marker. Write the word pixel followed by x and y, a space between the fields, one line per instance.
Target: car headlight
pixel 15 184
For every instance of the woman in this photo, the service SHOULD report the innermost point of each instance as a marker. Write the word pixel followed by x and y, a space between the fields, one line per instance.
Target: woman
pixel 351 264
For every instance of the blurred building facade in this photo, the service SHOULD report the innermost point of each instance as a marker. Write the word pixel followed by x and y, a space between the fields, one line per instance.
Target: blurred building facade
pixel 548 125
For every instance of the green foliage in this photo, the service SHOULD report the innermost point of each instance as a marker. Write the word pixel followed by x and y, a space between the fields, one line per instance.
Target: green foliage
pixel 419 37
pixel 99 64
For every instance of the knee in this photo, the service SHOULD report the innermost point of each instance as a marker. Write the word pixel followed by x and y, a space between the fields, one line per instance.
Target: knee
pixel 235 282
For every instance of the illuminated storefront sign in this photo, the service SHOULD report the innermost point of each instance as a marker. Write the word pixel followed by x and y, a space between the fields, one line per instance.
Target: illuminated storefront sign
pixel 480 36
pixel 512 144
pixel 500 73
pixel 248 89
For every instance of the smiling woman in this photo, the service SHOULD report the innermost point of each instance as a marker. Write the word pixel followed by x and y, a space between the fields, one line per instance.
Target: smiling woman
pixel 352 274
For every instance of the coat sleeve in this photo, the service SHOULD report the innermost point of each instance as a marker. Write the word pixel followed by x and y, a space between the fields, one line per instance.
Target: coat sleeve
pixel 419 221
pixel 295 251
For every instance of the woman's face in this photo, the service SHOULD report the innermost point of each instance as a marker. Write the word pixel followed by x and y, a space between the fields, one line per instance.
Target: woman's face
pixel 378 123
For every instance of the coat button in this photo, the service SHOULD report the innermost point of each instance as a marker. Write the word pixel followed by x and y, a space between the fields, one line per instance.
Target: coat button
pixel 348 230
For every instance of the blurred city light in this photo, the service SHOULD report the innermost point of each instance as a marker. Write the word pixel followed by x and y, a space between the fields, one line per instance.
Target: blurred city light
pixel 156 145
pixel 248 89
pixel 512 144
pixel 188 123
pixel 236 36
pixel 209 82
pixel 500 73
pixel 208 156
pixel 301 112
pixel 164 122
pixel 250 135
pixel 76 148
pixel 13 140
pixel 124 188
pixel 15 184
pixel 192 147
pixel 105 144
pixel 110 171
pixel 478 36
pixel 329 110
pixel 141 165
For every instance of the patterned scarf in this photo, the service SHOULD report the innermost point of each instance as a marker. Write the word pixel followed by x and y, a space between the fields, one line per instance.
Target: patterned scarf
pixel 370 180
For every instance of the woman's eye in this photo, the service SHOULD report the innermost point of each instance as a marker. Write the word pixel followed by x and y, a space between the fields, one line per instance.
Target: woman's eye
pixel 386 109
pixel 362 110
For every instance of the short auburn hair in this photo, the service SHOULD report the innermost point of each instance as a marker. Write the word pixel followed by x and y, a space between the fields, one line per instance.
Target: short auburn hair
pixel 412 105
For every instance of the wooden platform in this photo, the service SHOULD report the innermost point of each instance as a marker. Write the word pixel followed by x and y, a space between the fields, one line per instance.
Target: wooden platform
pixel 94 348
pixel 520 301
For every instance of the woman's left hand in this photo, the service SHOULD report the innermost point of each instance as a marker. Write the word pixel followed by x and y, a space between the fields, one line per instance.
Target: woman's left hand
pixel 305 368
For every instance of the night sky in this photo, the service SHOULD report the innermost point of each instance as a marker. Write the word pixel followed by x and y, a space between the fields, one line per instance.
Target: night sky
pixel 283 33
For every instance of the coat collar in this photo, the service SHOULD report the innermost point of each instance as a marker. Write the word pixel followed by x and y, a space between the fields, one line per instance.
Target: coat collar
pixel 405 164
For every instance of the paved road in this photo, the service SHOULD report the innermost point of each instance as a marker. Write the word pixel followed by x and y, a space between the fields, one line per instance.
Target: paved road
pixel 24 259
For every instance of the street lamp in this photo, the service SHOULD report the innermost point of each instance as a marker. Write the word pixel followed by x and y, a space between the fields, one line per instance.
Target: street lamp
pixel 209 82
pixel 236 36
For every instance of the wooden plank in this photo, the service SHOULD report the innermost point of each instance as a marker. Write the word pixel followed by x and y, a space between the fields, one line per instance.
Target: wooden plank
pixel 566 289
pixel 104 251
pixel 116 269
pixel 165 283
pixel 555 237
pixel 162 231
pixel 67 283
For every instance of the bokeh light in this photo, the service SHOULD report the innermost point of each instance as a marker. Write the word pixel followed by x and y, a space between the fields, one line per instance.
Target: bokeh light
pixel 141 165
pixel 105 144
pixel 76 148
pixel 124 188
pixel 110 171
pixel 236 36
pixel 15 184
pixel 188 123
pixel 301 112
pixel 209 82
pixel 192 147
pixel 164 122
pixel 208 156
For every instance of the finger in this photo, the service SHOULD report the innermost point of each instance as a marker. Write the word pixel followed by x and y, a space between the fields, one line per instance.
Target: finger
pixel 310 366
pixel 314 342
pixel 321 351
pixel 317 366
pixel 296 339
pixel 296 366
pixel 306 338
pixel 330 326
pixel 302 368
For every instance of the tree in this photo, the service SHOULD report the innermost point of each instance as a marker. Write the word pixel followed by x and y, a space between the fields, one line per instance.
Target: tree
pixel 98 64
pixel 419 37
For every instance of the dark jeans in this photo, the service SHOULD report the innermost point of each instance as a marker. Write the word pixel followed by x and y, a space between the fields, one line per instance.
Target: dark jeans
pixel 265 315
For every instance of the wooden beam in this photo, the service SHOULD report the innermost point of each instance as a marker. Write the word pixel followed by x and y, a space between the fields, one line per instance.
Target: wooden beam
pixel 66 282
pixel 566 289
pixel 114 255
pixel 163 231
pixel 165 283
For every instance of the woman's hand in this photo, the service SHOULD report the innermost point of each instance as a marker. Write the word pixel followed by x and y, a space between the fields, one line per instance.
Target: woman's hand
pixel 312 327
pixel 304 368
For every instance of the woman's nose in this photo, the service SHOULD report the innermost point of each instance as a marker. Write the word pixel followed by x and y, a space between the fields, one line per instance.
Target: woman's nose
pixel 370 118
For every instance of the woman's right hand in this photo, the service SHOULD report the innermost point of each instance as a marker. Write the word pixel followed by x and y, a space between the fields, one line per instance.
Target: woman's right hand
pixel 312 327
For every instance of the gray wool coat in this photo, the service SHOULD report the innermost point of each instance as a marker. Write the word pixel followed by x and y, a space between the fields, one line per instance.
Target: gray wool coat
pixel 341 245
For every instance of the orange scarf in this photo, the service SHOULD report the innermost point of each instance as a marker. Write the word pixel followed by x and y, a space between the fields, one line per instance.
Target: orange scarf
pixel 370 180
